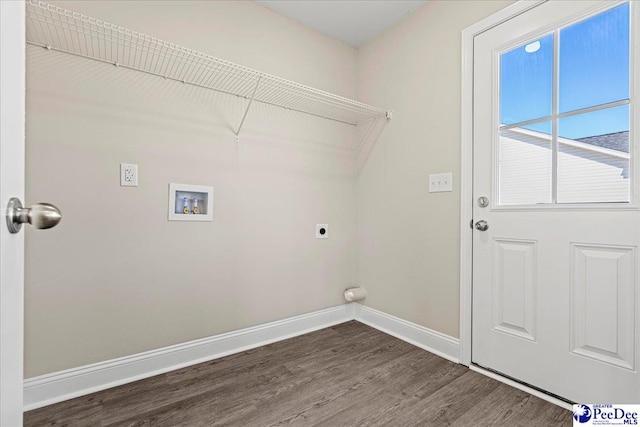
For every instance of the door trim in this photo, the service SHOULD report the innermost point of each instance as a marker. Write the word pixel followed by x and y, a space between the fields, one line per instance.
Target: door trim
pixel 466 158
pixel 12 134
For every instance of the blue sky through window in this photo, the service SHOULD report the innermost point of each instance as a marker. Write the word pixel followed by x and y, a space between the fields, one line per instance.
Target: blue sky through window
pixel 593 70
pixel 526 82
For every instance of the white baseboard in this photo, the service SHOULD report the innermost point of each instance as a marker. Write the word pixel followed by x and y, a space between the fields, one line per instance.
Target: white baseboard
pixel 425 338
pixel 59 386
pixel 64 385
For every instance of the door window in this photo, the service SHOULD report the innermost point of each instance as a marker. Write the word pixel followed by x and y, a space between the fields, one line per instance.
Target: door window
pixel 564 103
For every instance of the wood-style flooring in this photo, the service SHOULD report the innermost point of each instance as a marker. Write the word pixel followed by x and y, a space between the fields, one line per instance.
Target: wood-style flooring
pixel 346 375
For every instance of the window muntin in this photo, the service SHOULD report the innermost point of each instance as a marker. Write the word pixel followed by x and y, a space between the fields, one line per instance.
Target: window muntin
pixel 564 115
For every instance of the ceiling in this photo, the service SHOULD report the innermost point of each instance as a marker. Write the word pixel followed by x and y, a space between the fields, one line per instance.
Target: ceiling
pixel 352 21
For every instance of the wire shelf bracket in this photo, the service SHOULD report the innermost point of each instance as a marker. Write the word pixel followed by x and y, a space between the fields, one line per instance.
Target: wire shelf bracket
pixel 253 95
pixel 58 29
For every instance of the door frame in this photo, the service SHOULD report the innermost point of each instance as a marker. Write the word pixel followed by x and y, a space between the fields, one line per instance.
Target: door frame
pixel 466 157
pixel 12 180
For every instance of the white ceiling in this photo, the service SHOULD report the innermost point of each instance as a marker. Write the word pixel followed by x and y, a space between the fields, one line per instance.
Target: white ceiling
pixel 353 21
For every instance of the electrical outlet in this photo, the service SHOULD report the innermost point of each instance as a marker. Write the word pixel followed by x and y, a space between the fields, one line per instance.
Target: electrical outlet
pixel 128 175
pixel 322 231
pixel 440 182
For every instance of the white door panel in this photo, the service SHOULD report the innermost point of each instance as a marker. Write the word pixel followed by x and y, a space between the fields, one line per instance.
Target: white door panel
pixel 555 287
pixel 514 287
pixel 602 296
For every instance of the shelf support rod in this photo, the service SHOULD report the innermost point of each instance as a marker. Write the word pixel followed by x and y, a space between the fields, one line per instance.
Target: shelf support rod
pixel 253 95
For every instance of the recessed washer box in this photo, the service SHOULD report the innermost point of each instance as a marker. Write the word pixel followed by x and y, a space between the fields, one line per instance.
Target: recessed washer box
pixel 190 202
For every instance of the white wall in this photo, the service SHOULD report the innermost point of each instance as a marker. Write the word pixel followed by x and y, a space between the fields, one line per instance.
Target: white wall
pixel 408 239
pixel 115 277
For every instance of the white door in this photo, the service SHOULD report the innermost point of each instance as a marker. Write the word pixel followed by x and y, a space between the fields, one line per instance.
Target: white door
pixel 555 275
pixel 12 112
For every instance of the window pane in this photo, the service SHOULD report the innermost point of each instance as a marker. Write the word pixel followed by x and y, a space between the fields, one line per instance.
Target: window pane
pixel 525 166
pixel 544 127
pixel 526 74
pixel 593 157
pixel 594 60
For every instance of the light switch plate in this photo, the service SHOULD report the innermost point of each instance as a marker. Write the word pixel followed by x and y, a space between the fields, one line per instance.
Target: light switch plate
pixel 440 182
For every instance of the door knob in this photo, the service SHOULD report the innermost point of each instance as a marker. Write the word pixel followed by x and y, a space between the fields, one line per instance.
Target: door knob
pixel 482 225
pixel 40 215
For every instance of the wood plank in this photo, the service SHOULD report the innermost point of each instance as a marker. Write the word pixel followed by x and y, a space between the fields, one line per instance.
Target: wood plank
pixel 411 385
pixel 509 406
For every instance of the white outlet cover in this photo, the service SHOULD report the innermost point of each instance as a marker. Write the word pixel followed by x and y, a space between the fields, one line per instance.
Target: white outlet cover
pixel 128 175
pixel 322 231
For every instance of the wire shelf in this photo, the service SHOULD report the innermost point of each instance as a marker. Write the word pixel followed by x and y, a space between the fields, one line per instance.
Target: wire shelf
pixel 63 30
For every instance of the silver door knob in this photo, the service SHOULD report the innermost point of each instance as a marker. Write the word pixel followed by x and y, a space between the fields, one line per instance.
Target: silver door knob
pixel 482 225
pixel 40 215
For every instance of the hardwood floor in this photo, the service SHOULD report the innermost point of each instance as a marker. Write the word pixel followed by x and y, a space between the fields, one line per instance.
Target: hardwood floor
pixel 347 375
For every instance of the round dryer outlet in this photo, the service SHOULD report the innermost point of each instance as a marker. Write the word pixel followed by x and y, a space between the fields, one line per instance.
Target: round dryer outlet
pixel 322 231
